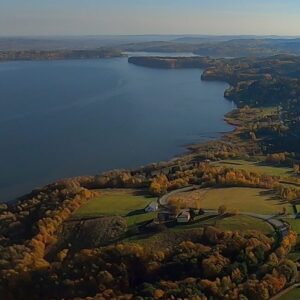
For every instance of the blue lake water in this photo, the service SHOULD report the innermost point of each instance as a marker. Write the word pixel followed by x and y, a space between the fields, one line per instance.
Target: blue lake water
pixel 78 117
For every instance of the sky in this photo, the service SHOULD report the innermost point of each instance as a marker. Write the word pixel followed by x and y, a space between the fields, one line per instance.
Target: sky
pixel 96 17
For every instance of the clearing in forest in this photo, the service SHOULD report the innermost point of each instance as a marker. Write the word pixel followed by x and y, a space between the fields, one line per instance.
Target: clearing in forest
pixel 257 167
pixel 252 200
pixel 127 203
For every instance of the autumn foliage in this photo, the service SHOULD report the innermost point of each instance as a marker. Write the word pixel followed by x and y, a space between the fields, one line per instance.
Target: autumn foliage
pixel 212 263
pixel 38 219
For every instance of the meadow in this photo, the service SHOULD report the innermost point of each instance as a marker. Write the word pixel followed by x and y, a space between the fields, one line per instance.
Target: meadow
pixel 172 236
pixel 294 294
pixel 127 203
pixel 258 167
pixel 254 200
pixel 231 223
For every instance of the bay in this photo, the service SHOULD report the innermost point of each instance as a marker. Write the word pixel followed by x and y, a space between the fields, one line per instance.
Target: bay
pixel 80 117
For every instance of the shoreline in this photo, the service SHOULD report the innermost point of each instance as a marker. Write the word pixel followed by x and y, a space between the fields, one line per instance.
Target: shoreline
pixel 187 151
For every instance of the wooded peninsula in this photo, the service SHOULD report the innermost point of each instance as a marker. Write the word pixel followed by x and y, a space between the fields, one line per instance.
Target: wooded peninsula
pixel 12 55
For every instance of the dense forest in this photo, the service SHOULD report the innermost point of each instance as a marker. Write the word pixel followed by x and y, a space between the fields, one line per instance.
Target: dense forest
pixel 209 262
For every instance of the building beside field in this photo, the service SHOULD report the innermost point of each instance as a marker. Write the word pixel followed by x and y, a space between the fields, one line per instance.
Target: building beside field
pixel 153 206
pixel 166 216
pixel 184 216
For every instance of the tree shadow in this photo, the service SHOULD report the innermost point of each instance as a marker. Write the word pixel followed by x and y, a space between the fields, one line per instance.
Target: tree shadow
pixel 272 196
pixel 142 192
pixel 136 212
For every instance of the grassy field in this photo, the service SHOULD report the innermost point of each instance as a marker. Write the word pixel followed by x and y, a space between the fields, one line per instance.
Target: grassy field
pixel 295 253
pixel 174 235
pixel 137 219
pixel 287 176
pixel 292 295
pixel 256 167
pixel 243 199
pixel 121 202
pixel 244 223
pixel 237 222
pixel 295 223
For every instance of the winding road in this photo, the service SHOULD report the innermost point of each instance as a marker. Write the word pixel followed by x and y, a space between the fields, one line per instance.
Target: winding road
pixel 273 220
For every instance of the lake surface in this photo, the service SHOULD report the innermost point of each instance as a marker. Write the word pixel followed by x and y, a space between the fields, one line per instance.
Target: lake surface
pixel 69 118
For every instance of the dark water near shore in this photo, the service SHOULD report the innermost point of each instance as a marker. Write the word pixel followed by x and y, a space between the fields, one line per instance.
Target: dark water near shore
pixel 68 118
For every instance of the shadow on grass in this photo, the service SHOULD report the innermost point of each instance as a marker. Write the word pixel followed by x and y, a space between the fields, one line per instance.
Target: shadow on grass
pixel 203 219
pixel 143 192
pixel 142 233
pixel 231 163
pixel 265 164
pixel 136 212
pixel 272 196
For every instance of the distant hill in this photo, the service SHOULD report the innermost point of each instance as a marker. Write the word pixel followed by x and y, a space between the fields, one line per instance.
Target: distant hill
pixel 216 46
pixel 221 46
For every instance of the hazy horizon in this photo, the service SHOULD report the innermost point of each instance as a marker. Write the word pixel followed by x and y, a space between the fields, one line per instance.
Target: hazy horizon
pixel 170 35
pixel 142 17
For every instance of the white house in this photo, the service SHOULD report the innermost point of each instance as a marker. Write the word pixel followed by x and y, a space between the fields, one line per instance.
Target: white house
pixel 153 206
pixel 184 216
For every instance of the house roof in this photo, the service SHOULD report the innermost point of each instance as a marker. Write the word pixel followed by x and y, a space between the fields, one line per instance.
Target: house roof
pixel 184 213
